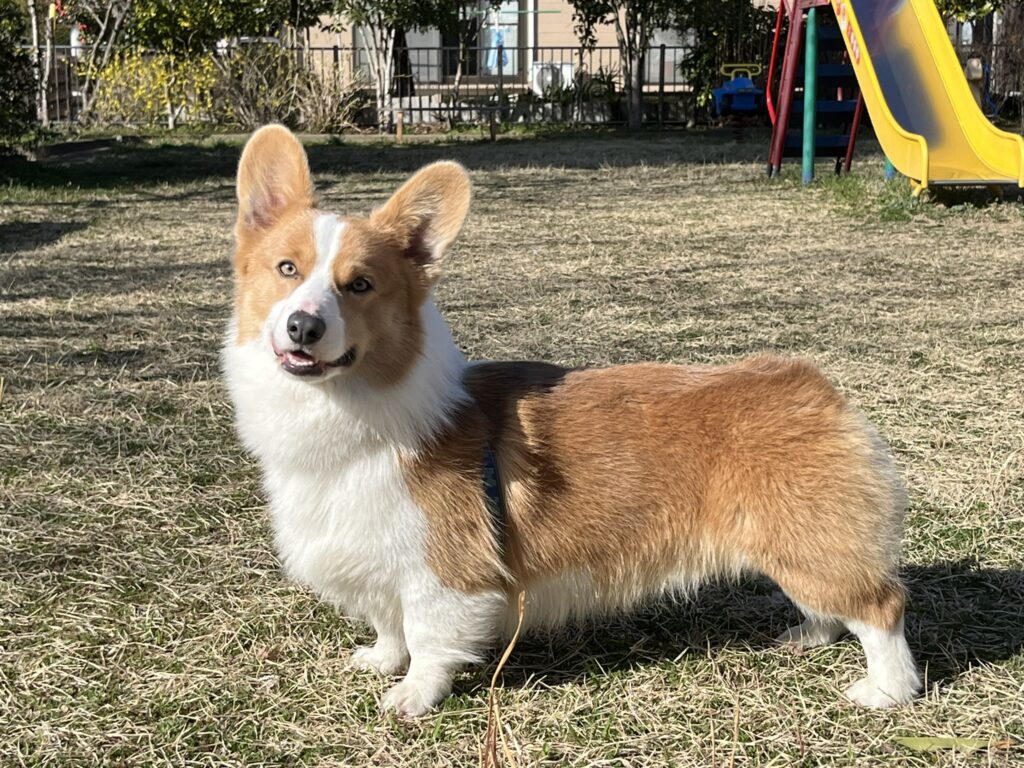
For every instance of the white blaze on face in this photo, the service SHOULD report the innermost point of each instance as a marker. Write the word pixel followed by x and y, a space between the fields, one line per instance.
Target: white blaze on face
pixel 315 296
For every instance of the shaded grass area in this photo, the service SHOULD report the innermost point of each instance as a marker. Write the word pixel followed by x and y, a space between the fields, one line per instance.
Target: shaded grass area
pixel 143 618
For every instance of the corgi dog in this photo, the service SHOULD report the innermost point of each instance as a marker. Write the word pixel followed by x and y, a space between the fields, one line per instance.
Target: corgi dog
pixel 421 492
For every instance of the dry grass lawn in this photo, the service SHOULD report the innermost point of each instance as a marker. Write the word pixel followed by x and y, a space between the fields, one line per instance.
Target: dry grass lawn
pixel 143 616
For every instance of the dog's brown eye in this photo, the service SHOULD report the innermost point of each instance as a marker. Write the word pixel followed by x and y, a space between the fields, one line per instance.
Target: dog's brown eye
pixel 360 285
pixel 288 269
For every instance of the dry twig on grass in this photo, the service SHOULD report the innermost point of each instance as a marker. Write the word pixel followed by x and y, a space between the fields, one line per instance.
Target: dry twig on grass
pixel 489 757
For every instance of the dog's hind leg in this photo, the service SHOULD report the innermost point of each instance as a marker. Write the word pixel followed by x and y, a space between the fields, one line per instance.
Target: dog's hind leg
pixel 814 631
pixel 872 609
pixel 892 674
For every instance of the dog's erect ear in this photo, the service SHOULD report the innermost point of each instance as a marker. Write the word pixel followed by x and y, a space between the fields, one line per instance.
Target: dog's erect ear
pixel 426 214
pixel 273 178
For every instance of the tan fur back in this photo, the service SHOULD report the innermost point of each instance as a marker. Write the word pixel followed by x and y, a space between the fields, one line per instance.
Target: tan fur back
pixel 647 476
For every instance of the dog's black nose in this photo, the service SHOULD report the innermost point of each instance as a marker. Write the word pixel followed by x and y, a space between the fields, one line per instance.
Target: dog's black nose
pixel 305 329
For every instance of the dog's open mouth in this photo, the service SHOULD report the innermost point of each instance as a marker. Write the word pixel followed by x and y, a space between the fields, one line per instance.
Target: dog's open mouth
pixel 300 363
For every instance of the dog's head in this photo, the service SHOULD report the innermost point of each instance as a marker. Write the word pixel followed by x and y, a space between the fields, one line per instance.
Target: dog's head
pixel 335 295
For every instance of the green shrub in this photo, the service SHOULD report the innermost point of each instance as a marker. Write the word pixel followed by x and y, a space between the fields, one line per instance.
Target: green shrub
pixel 264 83
pixel 258 84
pixel 723 32
pixel 329 101
pixel 17 80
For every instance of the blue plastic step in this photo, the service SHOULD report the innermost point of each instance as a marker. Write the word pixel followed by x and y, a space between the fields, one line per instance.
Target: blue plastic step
pixel 830 113
pixel 827 145
pixel 829 107
pixel 829 32
pixel 829 75
pixel 830 39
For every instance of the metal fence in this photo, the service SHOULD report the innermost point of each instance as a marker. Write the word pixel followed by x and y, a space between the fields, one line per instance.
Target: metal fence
pixel 1003 86
pixel 64 90
pixel 537 84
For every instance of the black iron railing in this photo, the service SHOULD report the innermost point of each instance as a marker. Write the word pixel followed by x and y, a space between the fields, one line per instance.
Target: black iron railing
pixel 542 83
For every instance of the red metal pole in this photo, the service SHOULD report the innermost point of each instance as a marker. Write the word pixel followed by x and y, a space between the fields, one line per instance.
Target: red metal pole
pixel 790 61
pixel 771 65
pixel 854 127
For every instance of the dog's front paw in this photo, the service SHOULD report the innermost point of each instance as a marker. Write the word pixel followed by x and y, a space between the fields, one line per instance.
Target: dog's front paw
pixel 411 698
pixel 386 660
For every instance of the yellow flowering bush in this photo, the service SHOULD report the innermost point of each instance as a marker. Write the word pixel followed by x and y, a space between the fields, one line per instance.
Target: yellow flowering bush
pixel 141 88
pixel 246 87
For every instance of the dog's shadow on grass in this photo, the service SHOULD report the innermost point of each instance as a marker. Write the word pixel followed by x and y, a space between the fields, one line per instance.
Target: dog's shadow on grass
pixel 27 236
pixel 959 616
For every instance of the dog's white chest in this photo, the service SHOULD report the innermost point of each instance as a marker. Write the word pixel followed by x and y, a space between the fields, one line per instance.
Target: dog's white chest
pixel 351 533
pixel 344 522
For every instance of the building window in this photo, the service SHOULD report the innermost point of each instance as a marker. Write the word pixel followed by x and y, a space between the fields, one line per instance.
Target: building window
pixel 500 29
pixel 488 28
pixel 467 25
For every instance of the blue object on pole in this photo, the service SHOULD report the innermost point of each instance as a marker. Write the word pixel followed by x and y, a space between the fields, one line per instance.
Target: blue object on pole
pixel 738 95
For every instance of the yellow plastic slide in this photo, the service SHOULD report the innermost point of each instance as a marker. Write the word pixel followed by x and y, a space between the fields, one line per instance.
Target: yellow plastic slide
pixel 923 111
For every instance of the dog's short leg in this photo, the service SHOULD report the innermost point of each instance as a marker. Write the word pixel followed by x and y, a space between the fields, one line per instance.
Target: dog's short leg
pixel 815 631
pixel 870 604
pixel 444 630
pixel 389 654
pixel 892 675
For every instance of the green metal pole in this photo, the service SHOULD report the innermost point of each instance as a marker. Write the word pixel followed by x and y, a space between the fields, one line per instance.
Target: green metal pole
pixel 810 93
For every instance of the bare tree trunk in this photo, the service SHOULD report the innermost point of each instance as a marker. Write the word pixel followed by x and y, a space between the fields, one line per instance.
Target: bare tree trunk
pixel 636 95
pixel 44 85
pixel 108 20
pixel 380 44
pixel 578 88
pixel 41 106
pixel 632 37
pixel 456 86
pixel 459 71
pixel 630 70
pixel 169 84
pixel 462 32
pixel 387 65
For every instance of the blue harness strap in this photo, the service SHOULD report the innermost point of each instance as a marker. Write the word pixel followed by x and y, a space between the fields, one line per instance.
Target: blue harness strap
pixel 494 499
